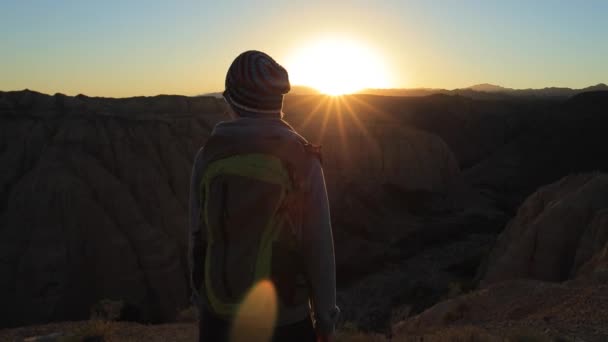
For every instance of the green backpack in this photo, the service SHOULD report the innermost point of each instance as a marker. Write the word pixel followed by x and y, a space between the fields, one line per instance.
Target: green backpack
pixel 252 207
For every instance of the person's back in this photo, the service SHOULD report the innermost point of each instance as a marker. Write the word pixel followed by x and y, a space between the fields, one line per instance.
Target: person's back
pixel 260 218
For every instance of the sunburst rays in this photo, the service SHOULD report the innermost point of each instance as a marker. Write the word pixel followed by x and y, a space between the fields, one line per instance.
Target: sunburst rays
pixel 339 120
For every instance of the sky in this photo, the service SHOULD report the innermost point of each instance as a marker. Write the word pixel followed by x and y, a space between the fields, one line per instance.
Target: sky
pixel 129 48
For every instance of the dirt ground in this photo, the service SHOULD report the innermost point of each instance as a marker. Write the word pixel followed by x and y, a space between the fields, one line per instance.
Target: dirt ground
pixel 102 331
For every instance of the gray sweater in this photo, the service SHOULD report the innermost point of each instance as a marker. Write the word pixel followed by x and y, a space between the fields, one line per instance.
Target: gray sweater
pixel 317 240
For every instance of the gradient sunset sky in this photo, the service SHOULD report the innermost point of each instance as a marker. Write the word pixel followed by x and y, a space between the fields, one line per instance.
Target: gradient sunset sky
pixel 128 48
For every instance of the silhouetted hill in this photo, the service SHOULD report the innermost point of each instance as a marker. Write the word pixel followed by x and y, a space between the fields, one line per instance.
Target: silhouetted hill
pixel 302 90
pixel 489 88
pixel 403 91
pixel 214 94
pixel 592 100
pixel 489 91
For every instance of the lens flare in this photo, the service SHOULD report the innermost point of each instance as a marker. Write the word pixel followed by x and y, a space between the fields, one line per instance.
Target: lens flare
pixel 256 318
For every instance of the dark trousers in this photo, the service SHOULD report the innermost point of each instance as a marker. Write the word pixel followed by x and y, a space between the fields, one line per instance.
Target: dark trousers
pixel 214 329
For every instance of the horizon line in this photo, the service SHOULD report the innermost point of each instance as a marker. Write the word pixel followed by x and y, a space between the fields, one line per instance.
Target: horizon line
pixel 313 91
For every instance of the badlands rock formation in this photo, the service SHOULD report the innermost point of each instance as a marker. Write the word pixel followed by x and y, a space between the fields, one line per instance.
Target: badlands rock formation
pixel 559 232
pixel 93 196
pixel 94 203
pixel 547 272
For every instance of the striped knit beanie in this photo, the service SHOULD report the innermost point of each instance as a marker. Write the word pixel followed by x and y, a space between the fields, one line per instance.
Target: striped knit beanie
pixel 255 85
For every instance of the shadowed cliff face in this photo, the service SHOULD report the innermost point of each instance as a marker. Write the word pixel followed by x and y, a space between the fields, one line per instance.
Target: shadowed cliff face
pixel 94 196
pixel 94 202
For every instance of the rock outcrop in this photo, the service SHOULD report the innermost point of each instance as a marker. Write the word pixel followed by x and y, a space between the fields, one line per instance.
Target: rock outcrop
pixel 546 274
pixel 559 232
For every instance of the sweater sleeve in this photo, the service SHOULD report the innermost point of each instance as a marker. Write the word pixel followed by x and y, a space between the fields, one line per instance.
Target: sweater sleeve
pixel 318 253
pixel 196 230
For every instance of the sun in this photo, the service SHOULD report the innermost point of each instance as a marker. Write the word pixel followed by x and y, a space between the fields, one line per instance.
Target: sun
pixel 337 66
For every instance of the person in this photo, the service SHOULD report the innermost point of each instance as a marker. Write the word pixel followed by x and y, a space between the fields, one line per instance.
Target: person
pixel 259 212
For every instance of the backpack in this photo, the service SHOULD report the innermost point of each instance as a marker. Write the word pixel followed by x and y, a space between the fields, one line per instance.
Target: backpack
pixel 253 192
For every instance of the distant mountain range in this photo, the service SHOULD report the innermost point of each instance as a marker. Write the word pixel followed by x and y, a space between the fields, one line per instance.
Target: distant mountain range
pixel 488 91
